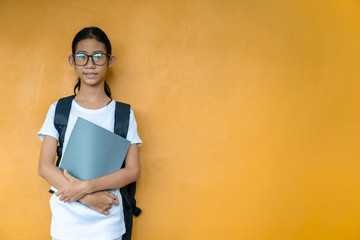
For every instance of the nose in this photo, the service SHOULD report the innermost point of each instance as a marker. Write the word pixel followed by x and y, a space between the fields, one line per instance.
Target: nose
pixel 90 63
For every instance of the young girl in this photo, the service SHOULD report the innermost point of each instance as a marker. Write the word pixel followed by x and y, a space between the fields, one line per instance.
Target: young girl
pixel 71 219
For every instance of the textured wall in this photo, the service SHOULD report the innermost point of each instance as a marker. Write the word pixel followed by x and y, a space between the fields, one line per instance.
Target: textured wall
pixel 249 112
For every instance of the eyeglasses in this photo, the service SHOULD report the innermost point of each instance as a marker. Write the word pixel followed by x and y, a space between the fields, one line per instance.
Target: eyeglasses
pixel 99 59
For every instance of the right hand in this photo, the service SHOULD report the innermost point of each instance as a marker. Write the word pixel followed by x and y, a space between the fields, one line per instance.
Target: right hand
pixel 101 201
pixel 74 190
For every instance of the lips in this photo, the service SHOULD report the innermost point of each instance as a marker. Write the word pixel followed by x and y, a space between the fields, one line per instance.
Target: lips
pixel 90 75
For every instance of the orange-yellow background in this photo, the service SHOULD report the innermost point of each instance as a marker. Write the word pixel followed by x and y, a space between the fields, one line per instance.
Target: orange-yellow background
pixel 249 113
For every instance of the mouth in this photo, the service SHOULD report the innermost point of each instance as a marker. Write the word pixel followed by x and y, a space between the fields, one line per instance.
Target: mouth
pixel 90 75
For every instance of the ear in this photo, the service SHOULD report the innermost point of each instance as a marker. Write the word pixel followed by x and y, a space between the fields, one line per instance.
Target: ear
pixel 71 61
pixel 111 61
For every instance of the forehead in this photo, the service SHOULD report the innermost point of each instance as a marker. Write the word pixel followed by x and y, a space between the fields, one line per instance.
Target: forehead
pixel 90 45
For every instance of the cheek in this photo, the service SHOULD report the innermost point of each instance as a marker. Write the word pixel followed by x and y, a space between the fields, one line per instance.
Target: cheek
pixel 77 69
pixel 103 71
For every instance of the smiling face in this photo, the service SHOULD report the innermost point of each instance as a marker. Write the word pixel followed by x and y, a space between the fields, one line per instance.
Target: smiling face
pixel 91 74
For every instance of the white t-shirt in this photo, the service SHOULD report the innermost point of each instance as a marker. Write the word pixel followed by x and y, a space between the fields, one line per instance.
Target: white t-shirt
pixel 75 221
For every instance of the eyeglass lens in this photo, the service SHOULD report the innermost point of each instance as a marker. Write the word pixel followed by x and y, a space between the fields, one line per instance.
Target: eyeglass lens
pixel 82 59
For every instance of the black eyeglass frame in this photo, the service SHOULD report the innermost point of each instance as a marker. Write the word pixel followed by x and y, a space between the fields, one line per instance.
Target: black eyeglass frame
pixel 87 58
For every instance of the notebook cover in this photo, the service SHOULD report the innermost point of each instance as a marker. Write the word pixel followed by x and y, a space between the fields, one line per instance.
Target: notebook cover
pixel 93 151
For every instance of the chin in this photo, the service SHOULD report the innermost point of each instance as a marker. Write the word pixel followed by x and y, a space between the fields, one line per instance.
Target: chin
pixel 91 82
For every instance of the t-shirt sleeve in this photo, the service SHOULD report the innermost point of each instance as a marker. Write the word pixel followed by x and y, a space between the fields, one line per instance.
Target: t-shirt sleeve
pixel 48 128
pixel 132 134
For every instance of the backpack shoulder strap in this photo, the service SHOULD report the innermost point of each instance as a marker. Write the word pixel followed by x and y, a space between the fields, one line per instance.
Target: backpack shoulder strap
pixel 121 127
pixel 122 115
pixel 61 118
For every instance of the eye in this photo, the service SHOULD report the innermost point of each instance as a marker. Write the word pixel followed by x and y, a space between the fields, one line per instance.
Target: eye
pixel 98 56
pixel 80 56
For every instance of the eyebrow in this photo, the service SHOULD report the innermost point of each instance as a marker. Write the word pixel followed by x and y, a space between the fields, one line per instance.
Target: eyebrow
pixel 96 51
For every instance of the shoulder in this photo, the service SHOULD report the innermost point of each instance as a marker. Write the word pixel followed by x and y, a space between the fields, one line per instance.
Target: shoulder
pixel 122 108
pixel 122 104
pixel 52 108
pixel 65 102
pixel 132 113
pixel 62 100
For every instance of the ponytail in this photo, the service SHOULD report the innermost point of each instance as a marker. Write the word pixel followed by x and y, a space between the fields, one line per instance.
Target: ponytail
pixel 107 90
pixel 77 86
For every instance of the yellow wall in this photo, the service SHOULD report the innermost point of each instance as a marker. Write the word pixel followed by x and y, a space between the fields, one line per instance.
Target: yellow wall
pixel 248 110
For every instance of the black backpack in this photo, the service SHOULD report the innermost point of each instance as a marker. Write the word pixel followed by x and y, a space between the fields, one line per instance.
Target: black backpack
pixel 122 112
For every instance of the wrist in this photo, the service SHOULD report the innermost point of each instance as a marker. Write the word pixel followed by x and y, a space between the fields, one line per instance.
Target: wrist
pixel 89 186
pixel 83 199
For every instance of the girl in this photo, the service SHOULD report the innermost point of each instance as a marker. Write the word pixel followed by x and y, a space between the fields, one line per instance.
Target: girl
pixel 104 219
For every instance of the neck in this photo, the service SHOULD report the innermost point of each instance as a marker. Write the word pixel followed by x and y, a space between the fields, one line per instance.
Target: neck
pixel 92 97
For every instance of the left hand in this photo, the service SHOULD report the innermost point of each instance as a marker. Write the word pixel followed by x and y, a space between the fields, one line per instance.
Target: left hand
pixel 101 201
pixel 73 191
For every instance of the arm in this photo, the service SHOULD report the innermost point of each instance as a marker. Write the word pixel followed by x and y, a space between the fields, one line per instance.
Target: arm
pixel 122 177
pixel 47 169
pixel 118 179
pixel 100 201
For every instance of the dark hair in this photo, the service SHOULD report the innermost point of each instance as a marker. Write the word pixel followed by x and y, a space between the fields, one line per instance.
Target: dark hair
pixel 99 35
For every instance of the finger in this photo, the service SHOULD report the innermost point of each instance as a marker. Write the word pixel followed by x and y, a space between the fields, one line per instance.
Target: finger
pixel 116 202
pixel 68 175
pixel 110 194
pixel 58 193
pixel 114 196
pixel 64 198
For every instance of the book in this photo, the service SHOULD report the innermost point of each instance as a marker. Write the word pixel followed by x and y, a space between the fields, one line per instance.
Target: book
pixel 93 151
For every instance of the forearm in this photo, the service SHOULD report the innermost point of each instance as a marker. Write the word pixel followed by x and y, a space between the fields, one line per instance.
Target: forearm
pixel 114 180
pixel 100 201
pixel 122 177
pixel 53 175
pixel 75 189
pixel 47 169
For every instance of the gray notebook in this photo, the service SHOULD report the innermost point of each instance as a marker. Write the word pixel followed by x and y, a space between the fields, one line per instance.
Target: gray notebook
pixel 93 151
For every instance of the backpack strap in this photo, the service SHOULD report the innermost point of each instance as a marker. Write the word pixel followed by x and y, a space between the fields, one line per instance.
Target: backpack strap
pixel 61 118
pixel 122 115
